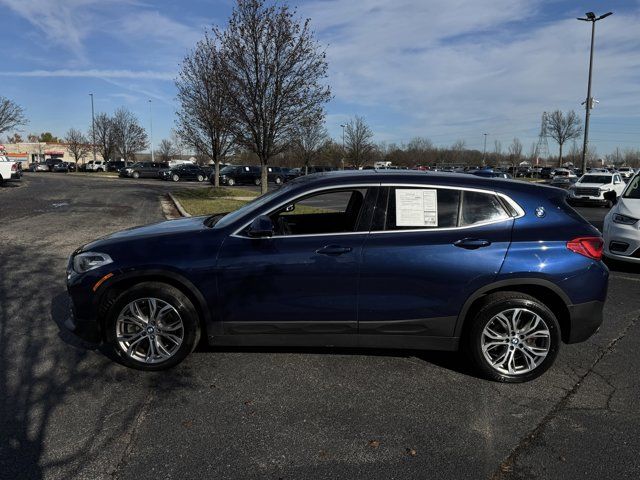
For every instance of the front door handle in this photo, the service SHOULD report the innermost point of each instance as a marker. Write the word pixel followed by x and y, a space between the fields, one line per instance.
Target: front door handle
pixel 333 250
pixel 472 243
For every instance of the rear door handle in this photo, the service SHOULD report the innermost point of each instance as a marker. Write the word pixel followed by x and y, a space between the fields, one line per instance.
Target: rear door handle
pixel 472 243
pixel 333 250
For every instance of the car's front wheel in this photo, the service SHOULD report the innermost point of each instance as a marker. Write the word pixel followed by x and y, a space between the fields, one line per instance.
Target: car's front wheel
pixel 513 337
pixel 152 326
pixel 136 175
pixel 175 178
pixel 257 182
pixel 231 182
pixel 201 178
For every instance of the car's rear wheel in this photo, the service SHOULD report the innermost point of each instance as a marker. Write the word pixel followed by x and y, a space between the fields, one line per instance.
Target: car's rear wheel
pixel 152 326
pixel 257 182
pixel 201 178
pixel 175 178
pixel 513 337
pixel 278 181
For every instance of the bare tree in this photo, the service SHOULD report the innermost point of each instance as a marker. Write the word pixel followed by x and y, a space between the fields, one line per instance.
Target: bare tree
pixel 77 144
pixel 497 147
pixel 515 152
pixel 563 127
pixel 458 149
pixel 308 138
pixel 358 141
pixel 166 149
pixel 204 119
pixel 129 136
pixel 273 70
pixel 105 136
pixel 15 138
pixel 11 115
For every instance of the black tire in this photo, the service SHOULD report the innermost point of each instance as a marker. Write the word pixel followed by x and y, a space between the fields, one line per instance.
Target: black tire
pixel 257 182
pixel 175 177
pixel 491 306
pixel 278 181
pixel 231 182
pixel 201 178
pixel 166 293
pixel 136 175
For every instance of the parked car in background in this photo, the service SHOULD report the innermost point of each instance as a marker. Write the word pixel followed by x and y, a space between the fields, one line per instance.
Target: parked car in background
pixel 239 175
pixel 546 172
pixel 622 225
pixel 563 172
pixel 489 173
pixel 115 165
pixel 186 171
pixel 39 167
pixel 9 170
pixel 143 169
pixel 62 167
pixel 591 188
pixel 563 181
pixel 480 265
pixel 626 172
pixel 51 162
pixel 96 166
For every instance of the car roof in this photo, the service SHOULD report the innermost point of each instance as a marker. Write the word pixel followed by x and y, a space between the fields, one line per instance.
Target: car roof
pixel 344 177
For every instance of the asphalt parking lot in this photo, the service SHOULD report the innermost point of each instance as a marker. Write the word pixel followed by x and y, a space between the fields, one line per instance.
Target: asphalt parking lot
pixel 69 412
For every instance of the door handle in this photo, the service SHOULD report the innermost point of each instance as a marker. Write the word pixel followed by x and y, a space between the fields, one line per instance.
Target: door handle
pixel 333 250
pixel 472 243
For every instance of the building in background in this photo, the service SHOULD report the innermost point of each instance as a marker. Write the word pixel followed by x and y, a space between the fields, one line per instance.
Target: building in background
pixel 36 152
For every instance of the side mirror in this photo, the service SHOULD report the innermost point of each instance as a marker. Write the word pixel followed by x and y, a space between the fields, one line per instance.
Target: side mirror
pixel 261 227
pixel 611 195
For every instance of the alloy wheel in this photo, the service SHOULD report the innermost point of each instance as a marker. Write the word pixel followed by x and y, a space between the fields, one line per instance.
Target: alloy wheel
pixel 515 341
pixel 149 330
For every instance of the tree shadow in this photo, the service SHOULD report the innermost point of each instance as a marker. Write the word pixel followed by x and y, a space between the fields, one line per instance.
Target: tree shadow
pixel 61 403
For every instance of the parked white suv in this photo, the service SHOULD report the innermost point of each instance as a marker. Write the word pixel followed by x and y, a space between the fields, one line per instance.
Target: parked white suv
pixel 9 170
pixel 97 166
pixel 626 172
pixel 622 225
pixel 592 187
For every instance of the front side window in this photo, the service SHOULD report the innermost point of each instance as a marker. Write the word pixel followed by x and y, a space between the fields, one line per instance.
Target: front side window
pixel 335 211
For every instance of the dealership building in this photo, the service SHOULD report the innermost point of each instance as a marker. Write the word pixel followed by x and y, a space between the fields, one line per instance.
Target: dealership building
pixel 35 152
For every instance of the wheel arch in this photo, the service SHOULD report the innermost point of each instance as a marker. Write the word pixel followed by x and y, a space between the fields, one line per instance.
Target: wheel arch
pixel 547 292
pixel 111 289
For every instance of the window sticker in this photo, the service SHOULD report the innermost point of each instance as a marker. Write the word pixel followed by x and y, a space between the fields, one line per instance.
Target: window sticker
pixel 416 208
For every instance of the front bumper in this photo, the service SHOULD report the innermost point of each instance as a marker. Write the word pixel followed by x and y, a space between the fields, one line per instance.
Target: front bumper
pixel 624 238
pixel 585 320
pixel 87 330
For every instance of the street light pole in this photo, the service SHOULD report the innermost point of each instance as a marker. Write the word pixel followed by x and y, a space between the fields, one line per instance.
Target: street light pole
pixel 484 149
pixel 93 129
pixel 151 130
pixel 342 160
pixel 591 17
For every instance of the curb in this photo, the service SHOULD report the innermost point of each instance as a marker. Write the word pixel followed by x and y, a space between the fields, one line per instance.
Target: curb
pixel 178 205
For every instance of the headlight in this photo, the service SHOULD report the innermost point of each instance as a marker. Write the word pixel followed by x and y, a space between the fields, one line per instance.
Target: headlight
pixel 83 262
pixel 623 219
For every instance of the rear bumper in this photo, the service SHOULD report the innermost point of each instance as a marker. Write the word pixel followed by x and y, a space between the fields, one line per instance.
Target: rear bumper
pixel 585 319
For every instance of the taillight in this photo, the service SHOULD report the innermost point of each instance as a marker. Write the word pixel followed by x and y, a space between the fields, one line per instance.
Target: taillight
pixel 14 167
pixel 590 247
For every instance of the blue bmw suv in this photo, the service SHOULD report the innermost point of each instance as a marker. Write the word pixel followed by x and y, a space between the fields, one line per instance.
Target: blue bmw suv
pixel 504 270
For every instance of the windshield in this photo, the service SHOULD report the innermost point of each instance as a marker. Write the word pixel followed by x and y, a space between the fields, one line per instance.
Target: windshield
pixel 596 179
pixel 229 218
pixel 633 189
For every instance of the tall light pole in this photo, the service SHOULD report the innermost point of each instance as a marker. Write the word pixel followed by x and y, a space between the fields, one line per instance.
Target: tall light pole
pixel 342 160
pixel 484 149
pixel 591 17
pixel 93 130
pixel 151 130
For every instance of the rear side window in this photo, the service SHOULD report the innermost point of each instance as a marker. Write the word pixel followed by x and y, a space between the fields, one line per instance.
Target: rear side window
pixel 480 207
pixel 413 208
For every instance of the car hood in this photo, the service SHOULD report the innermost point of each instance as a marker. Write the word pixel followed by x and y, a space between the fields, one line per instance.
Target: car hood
pixel 170 227
pixel 629 207
pixel 592 185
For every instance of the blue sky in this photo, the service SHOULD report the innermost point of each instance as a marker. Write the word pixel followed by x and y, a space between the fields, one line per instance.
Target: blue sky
pixel 442 69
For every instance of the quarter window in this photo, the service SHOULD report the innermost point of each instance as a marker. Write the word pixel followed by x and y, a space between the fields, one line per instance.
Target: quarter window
pixel 480 207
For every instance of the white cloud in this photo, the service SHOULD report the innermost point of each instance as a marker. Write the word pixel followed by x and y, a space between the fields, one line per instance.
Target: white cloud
pixel 447 68
pixel 94 73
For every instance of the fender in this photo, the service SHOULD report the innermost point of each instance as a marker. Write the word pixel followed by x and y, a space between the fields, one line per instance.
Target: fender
pixel 158 274
pixel 501 284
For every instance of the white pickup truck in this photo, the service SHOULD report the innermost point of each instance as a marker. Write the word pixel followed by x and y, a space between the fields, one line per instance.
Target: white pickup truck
pixel 9 170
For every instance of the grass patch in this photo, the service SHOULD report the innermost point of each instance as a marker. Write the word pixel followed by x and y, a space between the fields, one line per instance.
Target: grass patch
pixel 209 201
